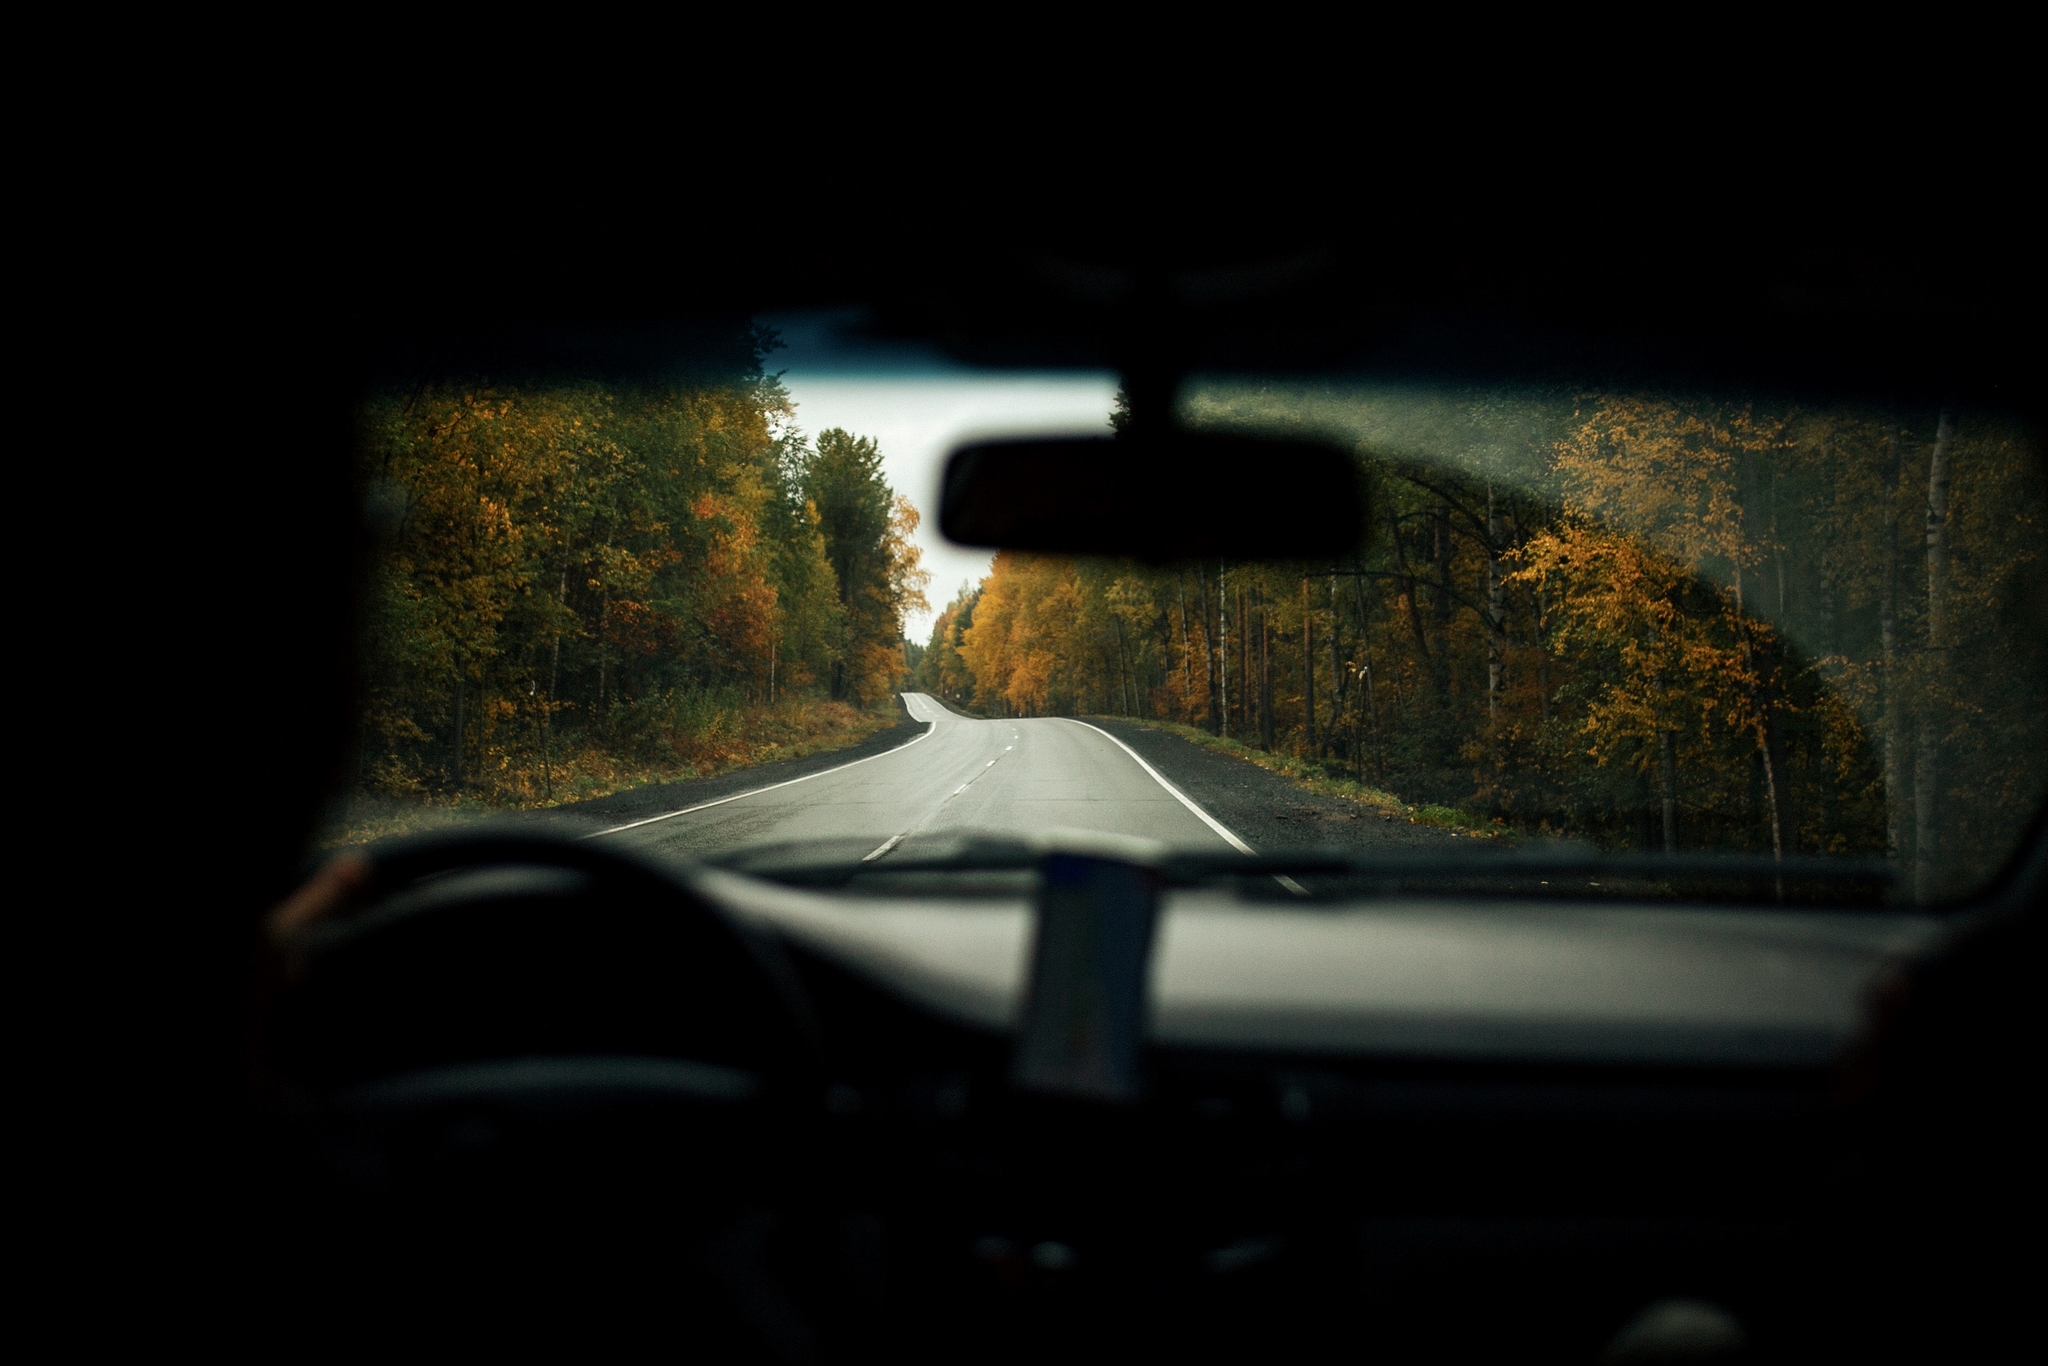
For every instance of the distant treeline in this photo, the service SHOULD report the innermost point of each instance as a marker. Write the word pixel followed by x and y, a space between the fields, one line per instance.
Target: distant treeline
pixel 1661 624
pixel 640 572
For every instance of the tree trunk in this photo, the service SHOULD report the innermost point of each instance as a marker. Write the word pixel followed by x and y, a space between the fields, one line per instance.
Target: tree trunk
pixel 1339 684
pixel 1340 681
pixel 604 621
pixel 1308 673
pixel 547 733
pixel 1937 535
pixel 1410 594
pixel 1372 707
pixel 1248 662
pixel 1892 721
pixel 540 735
pixel 1440 546
pixel 1667 767
pixel 1933 691
pixel 1777 546
pixel 1667 772
pixel 1765 736
pixel 1372 701
pixel 1209 656
pixel 460 720
pixel 1766 726
pixel 1495 599
pixel 1187 648
pixel 1246 707
pixel 1265 679
pixel 1125 688
pixel 1223 655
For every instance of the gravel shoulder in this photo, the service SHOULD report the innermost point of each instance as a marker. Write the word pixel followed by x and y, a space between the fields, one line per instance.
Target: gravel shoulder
pixel 1265 809
pixel 654 800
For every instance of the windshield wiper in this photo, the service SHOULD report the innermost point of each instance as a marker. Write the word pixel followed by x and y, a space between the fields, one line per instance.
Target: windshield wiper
pixel 1560 873
pixel 1550 873
pixel 847 862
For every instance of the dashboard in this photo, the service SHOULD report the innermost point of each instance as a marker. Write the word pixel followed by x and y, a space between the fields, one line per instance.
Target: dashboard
pixel 1476 1125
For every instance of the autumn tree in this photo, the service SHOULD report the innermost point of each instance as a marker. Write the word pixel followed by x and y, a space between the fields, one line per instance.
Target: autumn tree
pixel 1652 621
pixel 942 671
pixel 867 531
pixel 575 563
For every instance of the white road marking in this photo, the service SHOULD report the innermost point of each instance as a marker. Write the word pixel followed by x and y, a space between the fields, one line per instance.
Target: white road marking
pixel 891 843
pixel 755 792
pixel 895 840
pixel 1185 800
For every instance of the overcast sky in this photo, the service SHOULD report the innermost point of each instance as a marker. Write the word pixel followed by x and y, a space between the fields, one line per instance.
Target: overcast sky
pixel 918 406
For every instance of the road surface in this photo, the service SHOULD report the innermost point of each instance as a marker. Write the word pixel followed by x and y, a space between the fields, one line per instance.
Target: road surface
pixel 1019 778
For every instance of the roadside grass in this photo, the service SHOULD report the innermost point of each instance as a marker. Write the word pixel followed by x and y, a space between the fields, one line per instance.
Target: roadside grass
pixel 1315 777
pixel 587 771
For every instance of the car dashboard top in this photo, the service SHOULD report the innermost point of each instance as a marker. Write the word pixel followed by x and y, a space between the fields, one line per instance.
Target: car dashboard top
pixel 1399 978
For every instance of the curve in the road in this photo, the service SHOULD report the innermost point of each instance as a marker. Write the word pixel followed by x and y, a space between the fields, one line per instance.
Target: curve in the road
pixel 753 792
pixel 1017 777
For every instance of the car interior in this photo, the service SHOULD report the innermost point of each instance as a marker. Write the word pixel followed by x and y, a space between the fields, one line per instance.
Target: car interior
pixel 520 1084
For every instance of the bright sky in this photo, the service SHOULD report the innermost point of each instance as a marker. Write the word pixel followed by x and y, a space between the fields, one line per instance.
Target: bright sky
pixel 918 407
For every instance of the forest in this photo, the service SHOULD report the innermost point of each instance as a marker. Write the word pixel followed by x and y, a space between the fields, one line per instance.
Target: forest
pixel 582 585
pixel 1652 622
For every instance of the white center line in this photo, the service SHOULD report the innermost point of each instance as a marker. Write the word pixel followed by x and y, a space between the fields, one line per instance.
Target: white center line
pixel 895 840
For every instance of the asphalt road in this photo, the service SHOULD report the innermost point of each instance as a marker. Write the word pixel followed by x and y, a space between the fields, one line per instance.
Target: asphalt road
pixel 1021 777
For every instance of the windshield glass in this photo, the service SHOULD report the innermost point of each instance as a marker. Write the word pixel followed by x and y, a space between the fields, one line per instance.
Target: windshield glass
pixel 712 615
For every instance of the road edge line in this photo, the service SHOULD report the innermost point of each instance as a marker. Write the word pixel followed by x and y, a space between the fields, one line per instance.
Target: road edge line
pixel 1185 800
pixel 755 792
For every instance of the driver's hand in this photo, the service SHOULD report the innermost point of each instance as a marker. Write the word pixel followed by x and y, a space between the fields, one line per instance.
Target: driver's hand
pixel 333 891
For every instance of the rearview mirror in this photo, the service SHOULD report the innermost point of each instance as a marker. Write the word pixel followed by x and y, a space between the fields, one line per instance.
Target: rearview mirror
pixel 1185 495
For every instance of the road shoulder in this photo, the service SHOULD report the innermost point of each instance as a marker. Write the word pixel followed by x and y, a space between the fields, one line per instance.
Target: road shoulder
pixel 1266 809
pixel 641 802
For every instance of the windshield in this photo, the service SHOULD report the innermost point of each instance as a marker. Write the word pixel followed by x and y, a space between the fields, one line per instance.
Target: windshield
pixel 712 615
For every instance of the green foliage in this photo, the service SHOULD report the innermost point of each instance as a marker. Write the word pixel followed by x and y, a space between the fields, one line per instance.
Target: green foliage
pixel 866 529
pixel 941 671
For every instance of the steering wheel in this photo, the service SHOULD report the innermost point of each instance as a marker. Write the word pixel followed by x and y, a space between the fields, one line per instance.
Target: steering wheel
pixel 502 957
pixel 539 1081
